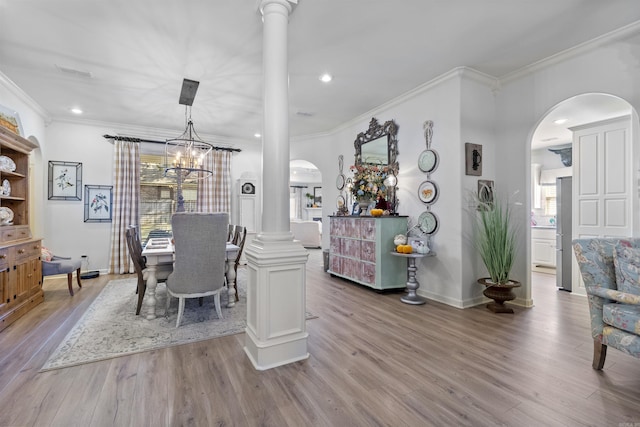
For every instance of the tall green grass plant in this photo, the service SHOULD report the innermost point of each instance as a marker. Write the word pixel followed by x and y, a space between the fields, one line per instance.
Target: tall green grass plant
pixel 495 238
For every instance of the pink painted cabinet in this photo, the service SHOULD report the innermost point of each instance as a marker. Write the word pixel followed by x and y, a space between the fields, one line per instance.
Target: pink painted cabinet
pixel 360 250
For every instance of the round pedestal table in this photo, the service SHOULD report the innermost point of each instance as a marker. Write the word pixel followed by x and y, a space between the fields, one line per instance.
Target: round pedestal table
pixel 412 284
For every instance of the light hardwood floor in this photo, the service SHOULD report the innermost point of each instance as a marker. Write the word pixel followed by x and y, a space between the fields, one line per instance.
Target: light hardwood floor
pixel 374 361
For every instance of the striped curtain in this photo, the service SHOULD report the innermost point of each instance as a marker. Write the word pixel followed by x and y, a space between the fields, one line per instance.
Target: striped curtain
pixel 214 193
pixel 126 202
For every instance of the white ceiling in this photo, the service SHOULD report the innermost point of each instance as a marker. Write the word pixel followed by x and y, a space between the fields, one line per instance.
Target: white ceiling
pixel 130 56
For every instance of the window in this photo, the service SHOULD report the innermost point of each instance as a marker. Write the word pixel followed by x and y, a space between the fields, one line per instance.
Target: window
pixel 158 195
pixel 549 199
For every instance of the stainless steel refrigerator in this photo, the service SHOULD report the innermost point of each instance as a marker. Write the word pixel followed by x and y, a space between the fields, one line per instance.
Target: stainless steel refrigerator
pixel 564 251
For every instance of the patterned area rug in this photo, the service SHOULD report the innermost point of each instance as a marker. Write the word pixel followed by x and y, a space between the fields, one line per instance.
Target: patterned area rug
pixel 110 327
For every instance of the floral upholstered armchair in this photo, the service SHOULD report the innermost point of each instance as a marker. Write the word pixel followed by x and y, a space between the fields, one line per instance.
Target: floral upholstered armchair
pixel 610 268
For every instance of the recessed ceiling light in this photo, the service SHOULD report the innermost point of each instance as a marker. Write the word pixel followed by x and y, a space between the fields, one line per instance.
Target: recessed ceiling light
pixel 76 111
pixel 326 78
pixel 560 121
pixel 257 135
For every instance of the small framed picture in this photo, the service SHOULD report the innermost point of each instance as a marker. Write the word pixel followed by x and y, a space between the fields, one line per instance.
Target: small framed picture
pixel 473 159
pixel 485 192
pixel 98 201
pixel 355 209
pixel 419 245
pixel 65 180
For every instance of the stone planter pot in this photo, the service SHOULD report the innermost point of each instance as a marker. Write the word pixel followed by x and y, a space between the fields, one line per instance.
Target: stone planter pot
pixel 499 293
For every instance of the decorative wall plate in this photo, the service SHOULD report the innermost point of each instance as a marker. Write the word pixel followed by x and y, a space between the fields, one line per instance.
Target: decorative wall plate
pixel 6 215
pixel 428 160
pixel 340 181
pixel 6 164
pixel 428 222
pixel 6 188
pixel 428 192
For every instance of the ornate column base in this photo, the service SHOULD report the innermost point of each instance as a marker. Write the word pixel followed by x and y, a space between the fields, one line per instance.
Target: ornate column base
pixel 276 301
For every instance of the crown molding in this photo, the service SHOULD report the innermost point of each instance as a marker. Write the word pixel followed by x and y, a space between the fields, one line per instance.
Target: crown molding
pixel 615 35
pixel 6 82
pixel 459 72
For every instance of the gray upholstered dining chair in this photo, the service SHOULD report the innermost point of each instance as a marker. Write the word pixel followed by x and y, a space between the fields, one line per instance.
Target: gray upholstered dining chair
pixel 200 258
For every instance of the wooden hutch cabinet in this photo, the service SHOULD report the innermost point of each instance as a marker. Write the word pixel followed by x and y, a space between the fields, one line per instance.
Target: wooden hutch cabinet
pixel 20 266
pixel 360 250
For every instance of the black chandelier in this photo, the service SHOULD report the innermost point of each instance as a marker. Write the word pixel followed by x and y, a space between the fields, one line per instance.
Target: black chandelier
pixel 184 156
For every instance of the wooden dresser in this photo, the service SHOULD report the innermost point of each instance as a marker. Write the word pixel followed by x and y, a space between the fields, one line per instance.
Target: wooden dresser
pixel 20 266
pixel 360 250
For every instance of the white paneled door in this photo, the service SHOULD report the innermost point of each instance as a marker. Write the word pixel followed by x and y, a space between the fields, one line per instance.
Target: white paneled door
pixel 602 183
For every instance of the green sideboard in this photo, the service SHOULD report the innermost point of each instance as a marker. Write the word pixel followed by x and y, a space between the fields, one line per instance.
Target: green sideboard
pixel 360 250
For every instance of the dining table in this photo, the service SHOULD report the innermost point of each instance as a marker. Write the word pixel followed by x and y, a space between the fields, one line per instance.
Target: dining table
pixel 159 255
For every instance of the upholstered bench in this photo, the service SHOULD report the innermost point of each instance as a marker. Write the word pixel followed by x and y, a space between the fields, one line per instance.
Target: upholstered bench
pixel 53 265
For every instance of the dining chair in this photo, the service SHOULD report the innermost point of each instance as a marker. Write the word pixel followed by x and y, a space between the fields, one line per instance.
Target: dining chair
pixel 230 235
pixel 200 257
pixel 140 264
pixel 238 240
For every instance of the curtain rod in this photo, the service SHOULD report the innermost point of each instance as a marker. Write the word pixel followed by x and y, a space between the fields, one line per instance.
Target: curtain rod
pixel 133 139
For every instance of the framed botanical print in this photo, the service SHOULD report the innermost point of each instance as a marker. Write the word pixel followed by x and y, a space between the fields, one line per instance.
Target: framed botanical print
pixel 98 201
pixel 65 180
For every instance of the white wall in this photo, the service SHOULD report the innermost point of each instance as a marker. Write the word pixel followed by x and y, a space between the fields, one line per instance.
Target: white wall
pixel 612 67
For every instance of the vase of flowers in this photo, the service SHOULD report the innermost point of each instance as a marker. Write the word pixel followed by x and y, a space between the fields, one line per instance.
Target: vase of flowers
pixel 368 183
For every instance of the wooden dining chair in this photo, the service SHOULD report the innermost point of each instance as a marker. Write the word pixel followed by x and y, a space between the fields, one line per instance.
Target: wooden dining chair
pixel 238 240
pixel 230 235
pixel 140 264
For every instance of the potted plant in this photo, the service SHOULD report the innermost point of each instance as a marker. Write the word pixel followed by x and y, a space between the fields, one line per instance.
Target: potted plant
pixel 495 240
pixel 309 196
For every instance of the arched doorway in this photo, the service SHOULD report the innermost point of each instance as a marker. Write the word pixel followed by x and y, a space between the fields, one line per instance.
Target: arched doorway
pixel 551 158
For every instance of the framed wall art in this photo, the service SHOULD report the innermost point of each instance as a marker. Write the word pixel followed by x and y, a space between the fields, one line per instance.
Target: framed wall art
pixel 98 202
pixel 485 192
pixel 65 180
pixel 473 159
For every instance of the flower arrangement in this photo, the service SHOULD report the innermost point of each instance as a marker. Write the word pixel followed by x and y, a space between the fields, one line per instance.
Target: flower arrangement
pixel 368 181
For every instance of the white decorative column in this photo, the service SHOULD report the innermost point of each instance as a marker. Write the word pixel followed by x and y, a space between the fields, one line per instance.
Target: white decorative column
pixel 276 333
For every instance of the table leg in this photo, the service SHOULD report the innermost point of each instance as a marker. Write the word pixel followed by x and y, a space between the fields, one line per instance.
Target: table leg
pixel 412 285
pixel 231 276
pixel 150 294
